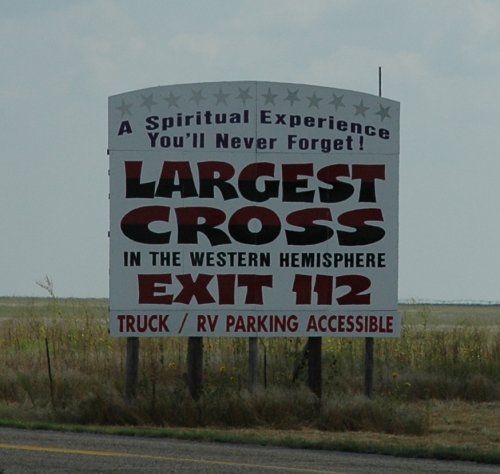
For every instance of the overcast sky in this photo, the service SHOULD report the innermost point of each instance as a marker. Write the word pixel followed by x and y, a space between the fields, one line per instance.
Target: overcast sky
pixel 61 59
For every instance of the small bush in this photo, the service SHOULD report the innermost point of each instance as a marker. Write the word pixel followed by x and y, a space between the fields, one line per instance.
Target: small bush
pixel 285 408
pixel 8 387
pixel 479 388
pixel 406 419
pixel 362 414
pixel 171 406
pixel 102 405
pixel 232 409
pixel 413 386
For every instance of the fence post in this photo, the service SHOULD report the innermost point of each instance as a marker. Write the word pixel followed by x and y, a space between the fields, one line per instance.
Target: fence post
pixel 49 368
pixel 132 368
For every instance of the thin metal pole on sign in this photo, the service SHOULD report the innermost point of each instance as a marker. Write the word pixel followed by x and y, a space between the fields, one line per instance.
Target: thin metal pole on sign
pixel 379 81
pixel 369 342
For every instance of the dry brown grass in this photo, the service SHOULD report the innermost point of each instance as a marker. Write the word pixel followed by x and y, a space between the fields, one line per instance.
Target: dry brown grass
pixel 453 424
pixel 465 424
pixel 443 354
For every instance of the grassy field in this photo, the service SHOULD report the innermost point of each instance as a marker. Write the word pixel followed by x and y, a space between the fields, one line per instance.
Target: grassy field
pixel 438 386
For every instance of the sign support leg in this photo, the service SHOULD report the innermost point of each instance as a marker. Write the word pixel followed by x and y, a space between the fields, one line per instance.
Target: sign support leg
pixel 314 365
pixel 369 343
pixel 132 368
pixel 253 358
pixel 195 366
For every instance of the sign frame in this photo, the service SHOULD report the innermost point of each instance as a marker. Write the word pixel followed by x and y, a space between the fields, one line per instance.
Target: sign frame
pixel 253 208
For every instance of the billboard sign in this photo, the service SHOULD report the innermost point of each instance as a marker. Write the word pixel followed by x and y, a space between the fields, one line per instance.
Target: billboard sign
pixel 253 209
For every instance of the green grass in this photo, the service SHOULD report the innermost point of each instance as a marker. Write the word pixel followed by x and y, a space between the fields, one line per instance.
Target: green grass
pixel 445 353
pixel 26 307
pixel 291 439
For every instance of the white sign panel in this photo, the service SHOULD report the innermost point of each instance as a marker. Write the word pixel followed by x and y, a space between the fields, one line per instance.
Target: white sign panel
pixel 253 208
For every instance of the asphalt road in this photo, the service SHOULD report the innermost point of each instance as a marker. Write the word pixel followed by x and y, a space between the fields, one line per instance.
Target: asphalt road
pixel 26 451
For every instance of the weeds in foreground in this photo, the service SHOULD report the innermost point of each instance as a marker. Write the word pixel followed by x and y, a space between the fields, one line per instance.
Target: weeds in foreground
pixel 88 371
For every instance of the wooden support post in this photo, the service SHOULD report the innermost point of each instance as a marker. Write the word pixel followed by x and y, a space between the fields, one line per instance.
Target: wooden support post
pixel 265 365
pixel 195 366
pixel 369 367
pixel 132 368
pixel 253 363
pixel 314 365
